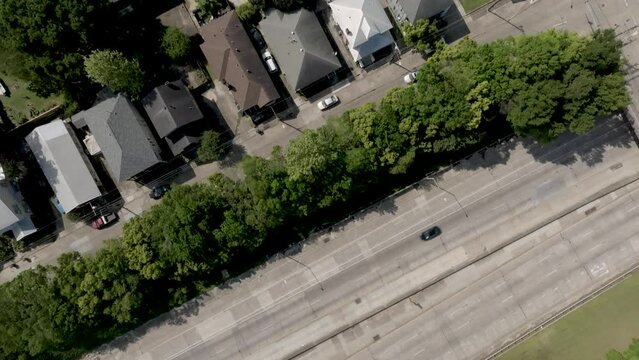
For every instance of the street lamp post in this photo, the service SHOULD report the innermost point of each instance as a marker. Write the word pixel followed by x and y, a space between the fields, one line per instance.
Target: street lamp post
pixel 451 194
pixel 309 269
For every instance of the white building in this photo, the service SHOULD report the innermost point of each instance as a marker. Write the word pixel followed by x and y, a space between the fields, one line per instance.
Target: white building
pixel 365 26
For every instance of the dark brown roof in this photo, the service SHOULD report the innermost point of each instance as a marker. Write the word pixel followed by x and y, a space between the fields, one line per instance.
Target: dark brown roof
pixel 233 59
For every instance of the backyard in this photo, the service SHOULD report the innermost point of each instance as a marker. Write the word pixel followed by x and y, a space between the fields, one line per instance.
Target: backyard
pixel 21 104
pixel 608 321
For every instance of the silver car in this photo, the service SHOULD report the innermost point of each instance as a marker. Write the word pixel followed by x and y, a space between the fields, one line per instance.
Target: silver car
pixel 328 102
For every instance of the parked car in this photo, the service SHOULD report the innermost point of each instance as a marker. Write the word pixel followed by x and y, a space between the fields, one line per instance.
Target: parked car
pixel 328 102
pixel 3 90
pixel 257 38
pixel 270 62
pixel 104 220
pixel 410 78
pixel 431 233
pixel 159 191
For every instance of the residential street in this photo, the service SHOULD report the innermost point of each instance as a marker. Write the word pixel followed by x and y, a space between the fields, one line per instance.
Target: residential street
pixel 377 260
pixel 368 87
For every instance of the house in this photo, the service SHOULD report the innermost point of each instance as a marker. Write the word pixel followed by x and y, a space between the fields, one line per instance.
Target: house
pixel 234 61
pixel 15 215
pixel 300 46
pixel 365 27
pixel 64 165
pixel 118 132
pixel 173 112
pixel 413 10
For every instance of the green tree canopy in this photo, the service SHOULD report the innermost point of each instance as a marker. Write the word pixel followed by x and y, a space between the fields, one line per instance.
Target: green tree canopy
pixel 111 68
pixel 423 35
pixel 212 147
pixel 176 44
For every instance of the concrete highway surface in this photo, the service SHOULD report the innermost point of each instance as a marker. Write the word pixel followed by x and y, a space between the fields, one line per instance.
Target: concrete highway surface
pixel 362 289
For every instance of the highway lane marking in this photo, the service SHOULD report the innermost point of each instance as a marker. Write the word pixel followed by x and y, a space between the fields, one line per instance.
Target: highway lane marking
pixel 310 284
pixel 388 244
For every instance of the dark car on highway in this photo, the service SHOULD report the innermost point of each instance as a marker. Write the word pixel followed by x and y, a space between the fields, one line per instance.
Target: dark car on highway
pixel 431 233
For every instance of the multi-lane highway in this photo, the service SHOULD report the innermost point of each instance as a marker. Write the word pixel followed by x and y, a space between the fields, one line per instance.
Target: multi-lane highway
pixel 367 268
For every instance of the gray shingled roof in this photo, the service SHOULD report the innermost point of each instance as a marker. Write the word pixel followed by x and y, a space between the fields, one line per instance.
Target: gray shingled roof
pixel 423 9
pixel 300 46
pixel 170 107
pixel 63 165
pixel 233 59
pixel 126 142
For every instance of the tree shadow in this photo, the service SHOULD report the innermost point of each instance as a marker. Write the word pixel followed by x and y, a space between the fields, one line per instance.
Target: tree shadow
pixel 609 132
pixel 234 156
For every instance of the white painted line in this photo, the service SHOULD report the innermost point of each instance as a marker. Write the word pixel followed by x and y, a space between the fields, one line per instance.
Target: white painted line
pixel 550 273
pixel 505 300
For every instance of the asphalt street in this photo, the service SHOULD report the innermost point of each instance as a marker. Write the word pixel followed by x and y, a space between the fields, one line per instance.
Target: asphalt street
pixel 377 259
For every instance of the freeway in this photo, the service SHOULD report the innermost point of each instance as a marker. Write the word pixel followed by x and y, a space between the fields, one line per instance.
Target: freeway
pixel 376 260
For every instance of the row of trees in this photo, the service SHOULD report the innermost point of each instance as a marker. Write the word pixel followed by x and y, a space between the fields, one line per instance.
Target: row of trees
pixel 179 247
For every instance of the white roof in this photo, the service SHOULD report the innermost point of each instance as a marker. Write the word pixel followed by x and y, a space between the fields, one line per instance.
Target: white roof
pixel 14 213
pixel 361 21
pixel 63 164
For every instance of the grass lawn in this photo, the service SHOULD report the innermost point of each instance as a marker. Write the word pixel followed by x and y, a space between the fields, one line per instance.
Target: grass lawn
pixel 610 320
pixel 470 5
pixel 22 104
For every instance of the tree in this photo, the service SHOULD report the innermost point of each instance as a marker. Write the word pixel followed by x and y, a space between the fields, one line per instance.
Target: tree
pixel 111 68
pixel 14 169
pixel 423 35
pixel 28 308
pixel 175 44
pixel 212 147
pixel 249 13
pixel 207 9
pixel 534 111
pixel 44 42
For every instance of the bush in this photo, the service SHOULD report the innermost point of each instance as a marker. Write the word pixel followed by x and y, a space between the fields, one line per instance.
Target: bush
pixel 249 13
pixel 208 8
pixel 175 44
pixel 6 248
pixel 212 147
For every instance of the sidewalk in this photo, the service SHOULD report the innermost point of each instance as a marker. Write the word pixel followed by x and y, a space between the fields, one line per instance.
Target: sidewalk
pixel 86 240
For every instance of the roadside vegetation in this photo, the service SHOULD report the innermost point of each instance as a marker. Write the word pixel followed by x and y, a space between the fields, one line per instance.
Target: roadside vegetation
pixel 588 332
pixel 465 95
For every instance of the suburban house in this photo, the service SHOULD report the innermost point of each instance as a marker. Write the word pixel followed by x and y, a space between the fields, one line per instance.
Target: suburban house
pixel 234 61
pixel 173 113
pixel 15 215
pixel 365 28
pixel 300 46
pixel 413 10
pixel 64 165
pixel 117 131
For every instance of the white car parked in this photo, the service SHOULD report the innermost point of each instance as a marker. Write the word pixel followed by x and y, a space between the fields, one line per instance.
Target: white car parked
pixel 328 102
pixel 410 77
pixel 270 62
pixel 3 91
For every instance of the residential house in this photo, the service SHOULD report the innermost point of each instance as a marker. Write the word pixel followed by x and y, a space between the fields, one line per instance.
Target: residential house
pixel 64 165
pixel 173 113
pixel 234 61
pixel 300 46
pixel 413 10
pixel 365 27
pixel 15 215
pixel 117 131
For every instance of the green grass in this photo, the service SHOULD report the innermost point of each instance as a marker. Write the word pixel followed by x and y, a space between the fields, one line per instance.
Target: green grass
pixel 22 104
pixel 470 5
pixel 610 320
